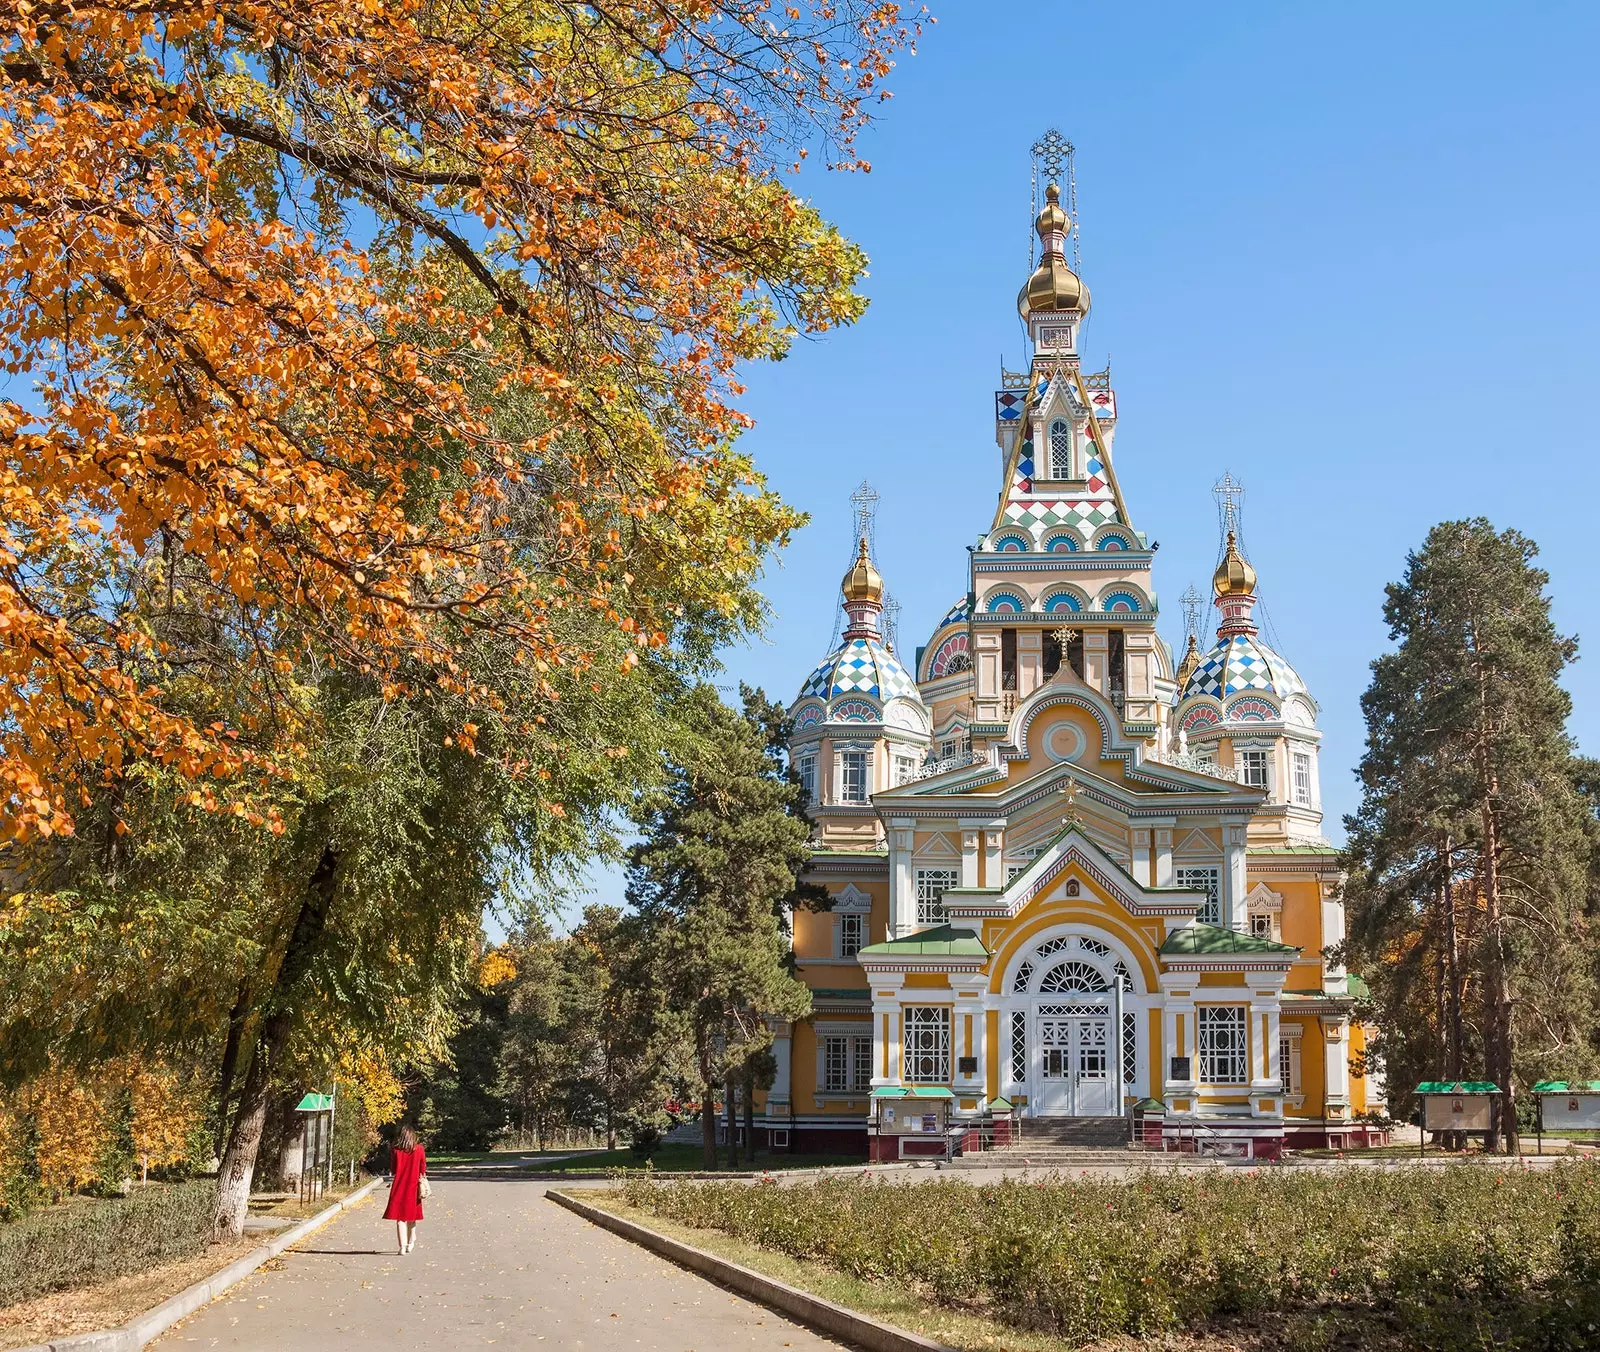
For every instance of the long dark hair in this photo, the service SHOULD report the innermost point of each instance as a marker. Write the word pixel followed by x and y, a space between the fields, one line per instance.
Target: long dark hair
pixel 407 1139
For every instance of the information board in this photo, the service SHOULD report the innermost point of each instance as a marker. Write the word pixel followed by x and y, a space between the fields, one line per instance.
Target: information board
pixel 1457 1112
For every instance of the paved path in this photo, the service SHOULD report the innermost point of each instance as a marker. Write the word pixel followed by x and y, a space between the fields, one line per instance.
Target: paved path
pixel 496 1265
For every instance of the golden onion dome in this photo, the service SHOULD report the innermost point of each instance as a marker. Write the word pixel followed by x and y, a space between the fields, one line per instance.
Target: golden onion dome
pixel 1054 285
pixel 1191 660
pixel 1234 575
pixel 863 582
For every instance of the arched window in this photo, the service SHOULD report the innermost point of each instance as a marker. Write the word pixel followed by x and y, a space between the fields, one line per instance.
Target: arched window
pixel 1074 976
pixel 1060 450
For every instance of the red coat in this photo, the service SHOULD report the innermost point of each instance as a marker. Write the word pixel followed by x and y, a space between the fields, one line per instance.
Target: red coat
pixel 404 1204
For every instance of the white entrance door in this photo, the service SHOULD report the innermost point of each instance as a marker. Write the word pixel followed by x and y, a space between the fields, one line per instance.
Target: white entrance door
pixel 1075 1066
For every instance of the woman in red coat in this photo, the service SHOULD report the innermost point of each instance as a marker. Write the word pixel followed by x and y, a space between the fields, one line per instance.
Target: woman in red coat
pixel 405 1190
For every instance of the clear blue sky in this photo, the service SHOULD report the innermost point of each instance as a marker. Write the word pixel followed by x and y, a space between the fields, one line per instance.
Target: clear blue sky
pixel 1346 252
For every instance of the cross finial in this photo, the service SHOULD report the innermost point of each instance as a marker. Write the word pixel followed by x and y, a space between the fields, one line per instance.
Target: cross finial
pixel 1191 601
pixel 1063 635
pixel 864 502
pixel 1053 151
pixel 1229 493
pixel 1069 791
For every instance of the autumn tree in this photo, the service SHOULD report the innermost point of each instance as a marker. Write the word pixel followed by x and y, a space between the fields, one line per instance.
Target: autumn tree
pixel 1470 852
pixel 724 841
pixel 375 348
pixel 256 254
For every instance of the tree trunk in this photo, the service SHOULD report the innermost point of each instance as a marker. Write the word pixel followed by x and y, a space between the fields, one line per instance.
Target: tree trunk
pixel 731 1107
pixel 1454 1043
pixel 708 1123
pixel 239 1160
pixel 230 1065
pixel 749 1118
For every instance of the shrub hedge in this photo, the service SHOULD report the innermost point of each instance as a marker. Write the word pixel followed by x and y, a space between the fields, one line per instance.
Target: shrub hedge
pixel 94 1241
pixel 1443 1259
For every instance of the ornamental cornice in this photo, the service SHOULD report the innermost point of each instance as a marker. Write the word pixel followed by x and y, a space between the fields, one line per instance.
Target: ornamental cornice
pixel 1120 618
pixel 1139 561
pixel 1227 963
pixel 879 966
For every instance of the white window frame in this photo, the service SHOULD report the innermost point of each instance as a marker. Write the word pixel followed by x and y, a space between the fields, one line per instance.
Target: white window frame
pixel 1288 1063
pixel 1300 765
pixel 1205 878
pixel 930 903
pixel 905 768
pixel 807 767
pixel 1255 758
pixel 1222 1039
pixel 849 757
pixel 846 1063
pixel 852 934
pixel 1060 460
pixel 925 1044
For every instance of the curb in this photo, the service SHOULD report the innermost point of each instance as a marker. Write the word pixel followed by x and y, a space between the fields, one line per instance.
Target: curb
pixel 145 1328
pixel 812 1311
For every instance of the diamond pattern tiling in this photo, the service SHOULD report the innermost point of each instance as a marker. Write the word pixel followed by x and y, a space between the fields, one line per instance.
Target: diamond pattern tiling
pixel 860 667
pixel 1239 664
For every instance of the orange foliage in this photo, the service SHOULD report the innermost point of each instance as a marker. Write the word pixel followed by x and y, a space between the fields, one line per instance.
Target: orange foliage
pixel 245 418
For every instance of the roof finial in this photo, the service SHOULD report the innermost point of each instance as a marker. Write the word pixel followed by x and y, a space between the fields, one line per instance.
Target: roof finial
pixel 1069 791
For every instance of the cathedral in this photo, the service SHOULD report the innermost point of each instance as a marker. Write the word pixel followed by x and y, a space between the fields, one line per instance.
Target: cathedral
pixel 1069 876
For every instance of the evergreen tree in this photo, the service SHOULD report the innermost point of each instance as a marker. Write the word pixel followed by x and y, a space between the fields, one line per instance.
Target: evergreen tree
pixel 1470 854
pixel 724 842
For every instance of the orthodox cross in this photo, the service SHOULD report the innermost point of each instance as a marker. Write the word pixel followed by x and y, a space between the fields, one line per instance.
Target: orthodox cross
pixel 1229 493
pixel 1191 601
pixel 1063 636
pixel 1052 150
pixel 864 503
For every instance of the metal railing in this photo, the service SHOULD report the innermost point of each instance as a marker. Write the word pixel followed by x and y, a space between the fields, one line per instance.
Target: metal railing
pixel 944 764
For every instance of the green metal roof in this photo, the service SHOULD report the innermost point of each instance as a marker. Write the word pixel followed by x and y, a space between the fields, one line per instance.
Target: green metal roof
pixel 315 1103
pixel 1212 941
pixel 1291 849
pixel 927 1091
pixel 1000 1105
pixel 943 941
pixel 1358 987
pixel 1567 1087
pixel 841 993
pixel 1459 1087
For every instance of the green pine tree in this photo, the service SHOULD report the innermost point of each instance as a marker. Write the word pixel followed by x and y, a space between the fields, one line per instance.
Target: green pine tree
pixel 1470 854
pixel 725 840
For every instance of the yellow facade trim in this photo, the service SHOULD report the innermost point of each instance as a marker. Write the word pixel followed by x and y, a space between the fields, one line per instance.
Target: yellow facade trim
pixel 1040 915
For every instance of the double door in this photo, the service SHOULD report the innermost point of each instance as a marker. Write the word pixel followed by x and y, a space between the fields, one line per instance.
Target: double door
pixel 1075 1054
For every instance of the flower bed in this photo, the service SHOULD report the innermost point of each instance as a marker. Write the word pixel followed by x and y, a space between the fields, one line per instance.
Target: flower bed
pixel 1460 1257
pixel 92 1241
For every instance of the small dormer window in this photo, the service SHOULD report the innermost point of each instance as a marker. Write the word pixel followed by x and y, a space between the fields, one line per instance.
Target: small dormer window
pixel 1060 449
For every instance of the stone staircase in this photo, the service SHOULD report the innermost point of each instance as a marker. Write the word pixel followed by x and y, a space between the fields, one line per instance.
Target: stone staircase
pixel 1061 1143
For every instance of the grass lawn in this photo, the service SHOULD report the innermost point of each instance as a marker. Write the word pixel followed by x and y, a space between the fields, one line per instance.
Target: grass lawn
pixel 1308 1260
pixel 496 1156
pixel 678 1157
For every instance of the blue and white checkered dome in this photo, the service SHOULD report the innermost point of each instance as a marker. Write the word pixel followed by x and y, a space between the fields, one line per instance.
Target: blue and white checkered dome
pixel 860 666
pixel 1240 664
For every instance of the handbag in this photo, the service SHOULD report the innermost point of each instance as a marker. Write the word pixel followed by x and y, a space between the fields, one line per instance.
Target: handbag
pixel 424 1188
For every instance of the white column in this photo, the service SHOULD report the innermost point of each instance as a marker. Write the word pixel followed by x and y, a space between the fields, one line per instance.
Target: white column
pixel 993 843
pixel 1177 990
pixel 1266 989
pixel 1335 1066
pixel 1234 884
pixel 971 837
pixel 886 1044
pixel 1162 833
pixel 782 1047
pixel 902 890
pixel 969 988
pixel 1141 855
pixel 1334 978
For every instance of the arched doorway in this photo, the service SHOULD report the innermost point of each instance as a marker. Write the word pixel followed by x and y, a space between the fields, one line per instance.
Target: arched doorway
pixel 1070 1055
